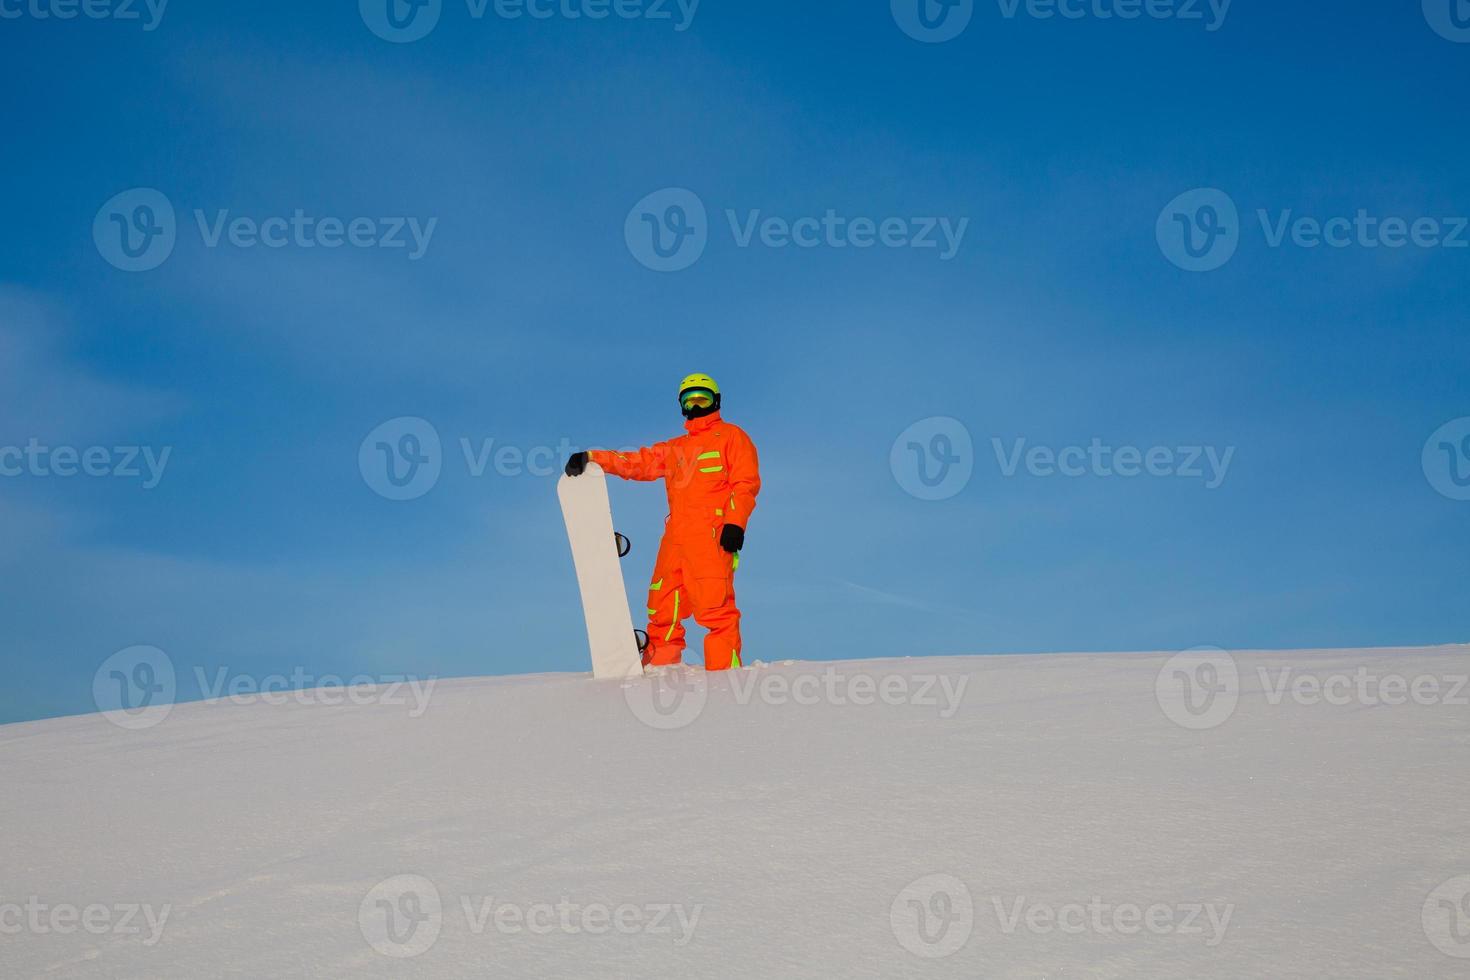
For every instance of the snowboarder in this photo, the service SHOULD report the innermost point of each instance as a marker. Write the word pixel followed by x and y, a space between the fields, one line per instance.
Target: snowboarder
pixel 712 477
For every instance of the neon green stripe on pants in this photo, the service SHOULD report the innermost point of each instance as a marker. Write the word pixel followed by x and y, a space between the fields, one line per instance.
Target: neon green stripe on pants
pixel 675 624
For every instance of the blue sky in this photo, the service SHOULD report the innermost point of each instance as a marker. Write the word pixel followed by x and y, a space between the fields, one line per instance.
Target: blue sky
pixel 1062 318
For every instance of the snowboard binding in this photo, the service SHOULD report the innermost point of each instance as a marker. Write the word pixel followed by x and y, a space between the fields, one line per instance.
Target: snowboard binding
pixel 639 636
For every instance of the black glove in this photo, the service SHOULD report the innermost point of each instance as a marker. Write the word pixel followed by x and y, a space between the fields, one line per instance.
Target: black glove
pixel 732 538
pixel 576 464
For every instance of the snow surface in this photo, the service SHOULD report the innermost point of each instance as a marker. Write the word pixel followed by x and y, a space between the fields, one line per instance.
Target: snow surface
pixel 785 839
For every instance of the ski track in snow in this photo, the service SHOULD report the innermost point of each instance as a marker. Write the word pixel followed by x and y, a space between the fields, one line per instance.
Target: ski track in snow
pixel 791 829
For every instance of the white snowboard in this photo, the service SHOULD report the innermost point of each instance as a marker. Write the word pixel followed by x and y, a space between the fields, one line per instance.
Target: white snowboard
pixel 588 514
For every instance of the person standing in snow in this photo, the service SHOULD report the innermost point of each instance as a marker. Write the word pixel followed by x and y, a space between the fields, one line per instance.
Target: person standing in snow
pixel 712 477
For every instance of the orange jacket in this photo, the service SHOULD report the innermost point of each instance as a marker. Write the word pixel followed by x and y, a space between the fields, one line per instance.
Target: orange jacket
pixel 712 474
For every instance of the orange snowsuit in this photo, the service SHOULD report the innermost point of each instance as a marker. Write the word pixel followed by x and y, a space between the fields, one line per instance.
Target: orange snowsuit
pixel 712 477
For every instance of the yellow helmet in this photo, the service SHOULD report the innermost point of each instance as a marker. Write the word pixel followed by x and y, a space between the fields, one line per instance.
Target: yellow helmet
pixel 699 381
pixel 699 395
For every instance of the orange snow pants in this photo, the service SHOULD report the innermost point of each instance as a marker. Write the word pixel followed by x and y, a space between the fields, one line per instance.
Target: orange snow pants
pixel 693 576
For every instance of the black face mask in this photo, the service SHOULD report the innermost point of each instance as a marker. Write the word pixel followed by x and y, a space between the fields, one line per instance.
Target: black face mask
pixel 697 411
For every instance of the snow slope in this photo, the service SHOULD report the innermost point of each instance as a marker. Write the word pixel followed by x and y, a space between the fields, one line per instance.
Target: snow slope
pixel 1039 816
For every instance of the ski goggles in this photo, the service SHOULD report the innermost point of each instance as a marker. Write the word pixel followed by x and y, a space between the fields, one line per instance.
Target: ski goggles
pixel 696 398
